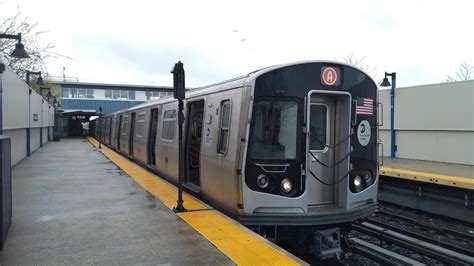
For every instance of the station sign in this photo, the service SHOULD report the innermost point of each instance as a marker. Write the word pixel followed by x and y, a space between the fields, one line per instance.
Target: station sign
pixel 331 76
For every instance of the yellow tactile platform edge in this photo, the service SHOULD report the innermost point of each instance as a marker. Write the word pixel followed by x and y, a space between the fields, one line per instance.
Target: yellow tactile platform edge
pixel 453 181
pixel 236 241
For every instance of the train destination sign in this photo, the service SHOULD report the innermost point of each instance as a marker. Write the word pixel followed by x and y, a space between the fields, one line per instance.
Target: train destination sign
pixel 330 76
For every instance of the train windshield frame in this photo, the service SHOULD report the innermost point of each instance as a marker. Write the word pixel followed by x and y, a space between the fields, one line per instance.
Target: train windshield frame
pixel 274 134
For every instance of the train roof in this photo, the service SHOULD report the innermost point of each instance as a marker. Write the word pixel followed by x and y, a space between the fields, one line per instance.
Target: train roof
pixel 236 82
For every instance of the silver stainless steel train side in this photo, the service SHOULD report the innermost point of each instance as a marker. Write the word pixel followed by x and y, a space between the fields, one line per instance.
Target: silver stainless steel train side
pixel 291 150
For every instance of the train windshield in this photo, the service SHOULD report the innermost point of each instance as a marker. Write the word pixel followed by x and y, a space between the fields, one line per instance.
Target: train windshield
pixel 274 130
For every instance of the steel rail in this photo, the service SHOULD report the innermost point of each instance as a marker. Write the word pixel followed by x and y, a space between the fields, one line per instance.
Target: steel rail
pixel 410 243
pixel 425 238
pixel 379 254
pixel 461 235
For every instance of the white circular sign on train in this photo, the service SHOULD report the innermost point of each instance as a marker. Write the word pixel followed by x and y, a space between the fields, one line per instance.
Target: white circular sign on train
pixel 363 133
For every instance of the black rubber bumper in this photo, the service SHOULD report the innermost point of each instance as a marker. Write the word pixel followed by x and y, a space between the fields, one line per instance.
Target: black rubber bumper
pixel 308 219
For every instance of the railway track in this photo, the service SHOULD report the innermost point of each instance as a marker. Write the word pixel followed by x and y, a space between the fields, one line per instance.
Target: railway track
pixel 441 236
pixel 380 255
pixel 405 239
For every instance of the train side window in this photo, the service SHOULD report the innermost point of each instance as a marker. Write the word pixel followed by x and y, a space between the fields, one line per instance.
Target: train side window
pixel 169 124
pixel 140 124
pixel 224 126
pixel 125 125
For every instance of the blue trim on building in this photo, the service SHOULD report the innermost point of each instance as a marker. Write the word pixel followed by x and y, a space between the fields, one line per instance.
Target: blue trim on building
pixel 108 106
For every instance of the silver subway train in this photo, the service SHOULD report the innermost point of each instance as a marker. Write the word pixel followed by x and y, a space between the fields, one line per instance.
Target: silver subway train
pixel 290 151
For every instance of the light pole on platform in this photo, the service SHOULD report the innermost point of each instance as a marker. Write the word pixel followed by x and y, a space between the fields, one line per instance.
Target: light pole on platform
pixel 386 83
pixel 179 93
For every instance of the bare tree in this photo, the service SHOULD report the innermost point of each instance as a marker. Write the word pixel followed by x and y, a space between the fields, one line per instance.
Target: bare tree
pixel 358 62
pixel 464 72
pixel 39 52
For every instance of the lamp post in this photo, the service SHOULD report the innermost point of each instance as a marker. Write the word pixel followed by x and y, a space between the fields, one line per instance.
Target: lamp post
pixel 39 81
pixel 386 83
pixel 49 96
pixel 18 52
pixel 46 89
pixel 100 127
pixel 178 84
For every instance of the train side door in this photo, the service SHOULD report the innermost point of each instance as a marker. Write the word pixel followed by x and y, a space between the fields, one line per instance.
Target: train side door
pixel 193 144
pixel 320 155
pixel 119 132
pixel 152 137
pixel 110 130
pixel 131 138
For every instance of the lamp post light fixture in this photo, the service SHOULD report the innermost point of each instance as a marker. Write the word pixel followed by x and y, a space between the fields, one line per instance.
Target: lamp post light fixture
pixel 19 51
pixel 39 81
pixel 48 95
pixel 386 83
pixel 100 128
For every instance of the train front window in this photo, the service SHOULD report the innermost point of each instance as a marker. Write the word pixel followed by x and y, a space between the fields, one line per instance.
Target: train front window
pixel 274 130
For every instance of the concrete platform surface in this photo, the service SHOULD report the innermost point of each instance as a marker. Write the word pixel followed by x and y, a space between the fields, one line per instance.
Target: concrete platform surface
pixel 73 206
pixel 450 169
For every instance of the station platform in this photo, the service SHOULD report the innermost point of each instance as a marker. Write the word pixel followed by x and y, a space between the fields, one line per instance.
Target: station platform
pixel 448 174
pixel 440 188
pixel 73 204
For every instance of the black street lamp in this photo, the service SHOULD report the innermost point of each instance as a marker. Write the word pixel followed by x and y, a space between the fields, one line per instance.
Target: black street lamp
pixel 19 51
pixel 46 89
pixel 386 83
pixel 49 96
pixel 39 81
pixel 99 125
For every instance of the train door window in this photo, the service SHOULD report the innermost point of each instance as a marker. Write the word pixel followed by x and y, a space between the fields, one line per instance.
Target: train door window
pixel 152 136
pixel 132 135
pixel 193 144
pixel 110 130
pixel 318 127
pixel 140 125
pixel 169 124
pixel 125 125
pixel 224 126
pixel 119 130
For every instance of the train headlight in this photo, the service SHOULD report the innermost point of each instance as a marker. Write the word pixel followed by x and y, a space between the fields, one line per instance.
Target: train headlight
pixel 357 184
pixel 368 178
pixel 286 185
pixel 263 181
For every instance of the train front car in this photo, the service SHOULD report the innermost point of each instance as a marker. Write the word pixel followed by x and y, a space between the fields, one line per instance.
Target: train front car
pixel 310 165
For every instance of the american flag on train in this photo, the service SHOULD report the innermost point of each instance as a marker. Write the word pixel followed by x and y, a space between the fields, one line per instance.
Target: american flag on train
pixel 364 106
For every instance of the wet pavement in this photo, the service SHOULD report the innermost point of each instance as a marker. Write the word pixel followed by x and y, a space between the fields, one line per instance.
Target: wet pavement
pixel 71 205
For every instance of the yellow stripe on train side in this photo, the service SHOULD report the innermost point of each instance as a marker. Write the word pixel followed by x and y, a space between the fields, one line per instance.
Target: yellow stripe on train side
pixel 237 242
pixel 454 181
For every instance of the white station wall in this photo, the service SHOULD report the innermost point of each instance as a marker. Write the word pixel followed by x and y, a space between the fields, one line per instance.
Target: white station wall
pixel 22 110
pixel 432 122
pixel 15 101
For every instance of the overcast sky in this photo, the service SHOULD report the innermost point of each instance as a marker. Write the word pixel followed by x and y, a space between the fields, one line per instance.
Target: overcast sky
pixel 137 42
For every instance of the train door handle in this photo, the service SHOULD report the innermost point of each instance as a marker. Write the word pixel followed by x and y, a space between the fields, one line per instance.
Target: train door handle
pixel 381 113
pixel 379 143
